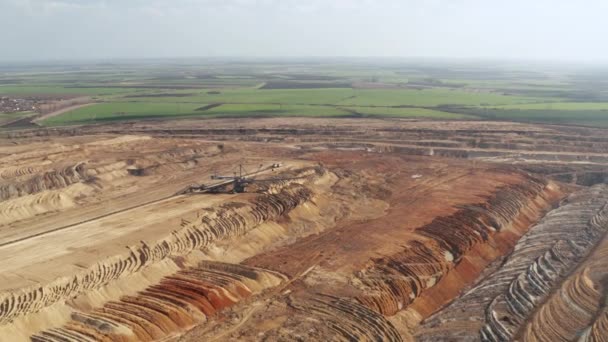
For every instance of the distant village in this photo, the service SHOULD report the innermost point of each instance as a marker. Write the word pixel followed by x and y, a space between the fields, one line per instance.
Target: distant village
pixel 26 104
pixel 40 103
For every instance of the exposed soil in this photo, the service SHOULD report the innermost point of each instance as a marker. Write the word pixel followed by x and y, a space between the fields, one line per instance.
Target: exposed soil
pixel 369 230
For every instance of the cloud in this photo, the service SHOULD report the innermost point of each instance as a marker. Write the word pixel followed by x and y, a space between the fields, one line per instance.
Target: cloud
pixel 180 7
pixel 41 7
pixel 552 29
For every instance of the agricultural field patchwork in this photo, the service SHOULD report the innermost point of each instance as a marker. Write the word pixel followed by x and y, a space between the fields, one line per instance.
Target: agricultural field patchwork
pixel 115 111
pixel 211 89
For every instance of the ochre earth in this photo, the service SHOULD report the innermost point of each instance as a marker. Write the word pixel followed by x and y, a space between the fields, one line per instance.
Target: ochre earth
pixel 369 230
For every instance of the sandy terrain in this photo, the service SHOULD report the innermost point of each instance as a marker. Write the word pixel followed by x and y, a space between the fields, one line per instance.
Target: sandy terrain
pixel 369 230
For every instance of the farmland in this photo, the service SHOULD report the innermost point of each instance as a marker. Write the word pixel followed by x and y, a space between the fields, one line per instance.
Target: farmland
pixel 319 88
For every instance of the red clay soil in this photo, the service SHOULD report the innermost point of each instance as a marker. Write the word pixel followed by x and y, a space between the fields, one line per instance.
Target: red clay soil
pixel 414 202
pixel 418 191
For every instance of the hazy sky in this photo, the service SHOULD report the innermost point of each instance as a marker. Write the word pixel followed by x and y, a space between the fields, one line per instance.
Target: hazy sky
pixel 99 29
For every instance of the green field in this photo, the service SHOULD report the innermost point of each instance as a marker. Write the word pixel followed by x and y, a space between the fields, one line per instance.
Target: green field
pixel 355 97
pixel 119 111
pixel 179 89
pixel 6 118
pixel 559 106
pixel 116 111
pixel 594 118
pixel 292 102
pixel 432 98
pixel 407 113
pixel 233 110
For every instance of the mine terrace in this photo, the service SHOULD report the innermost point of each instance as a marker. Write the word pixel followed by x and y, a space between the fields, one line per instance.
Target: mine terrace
pixel 315 229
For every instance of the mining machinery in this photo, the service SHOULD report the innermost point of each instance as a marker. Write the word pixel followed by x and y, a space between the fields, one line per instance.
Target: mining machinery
pixel 236 183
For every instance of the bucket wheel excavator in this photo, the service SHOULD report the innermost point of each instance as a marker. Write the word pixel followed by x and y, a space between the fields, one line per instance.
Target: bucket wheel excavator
pixel 238 182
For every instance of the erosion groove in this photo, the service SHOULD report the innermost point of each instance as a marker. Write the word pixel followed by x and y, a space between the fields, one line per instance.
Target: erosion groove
pixel 226 221
pixel 597 331
pixel 577 308
pixel 31 205
pixel 350 229
pixel 497 307
pixel 392 283
pixel 176 303
pixel 55 179
pixel 346 319
pixel 16 172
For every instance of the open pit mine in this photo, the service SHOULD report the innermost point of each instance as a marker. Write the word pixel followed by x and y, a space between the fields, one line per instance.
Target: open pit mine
pixel 304 230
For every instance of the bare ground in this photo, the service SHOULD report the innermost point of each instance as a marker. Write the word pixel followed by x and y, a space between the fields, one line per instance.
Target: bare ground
pixel 384 225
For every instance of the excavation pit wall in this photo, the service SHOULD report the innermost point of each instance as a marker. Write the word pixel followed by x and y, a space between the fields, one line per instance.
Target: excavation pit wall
pixel 463 261
pixel 515 289
pixel 573 303
pixel 453 251
pixel 27 311
pixel 50 180
pixel 464 153
pixel 178 302
pixel 402 288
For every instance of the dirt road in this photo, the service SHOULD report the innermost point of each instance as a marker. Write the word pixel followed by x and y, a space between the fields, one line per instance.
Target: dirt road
pixel 61 111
